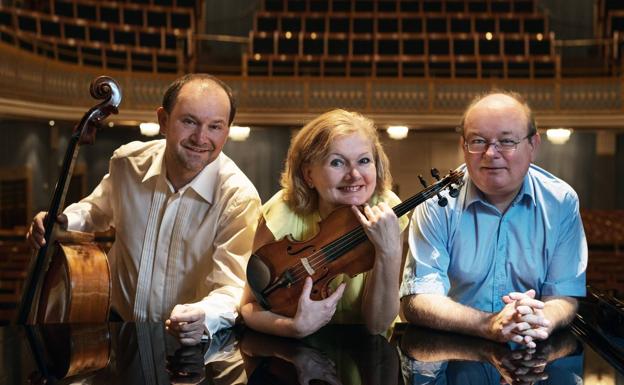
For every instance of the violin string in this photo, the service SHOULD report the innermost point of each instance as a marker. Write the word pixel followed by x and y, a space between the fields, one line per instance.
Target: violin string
pixel 338 247
pixel 341 245
pixel 319 258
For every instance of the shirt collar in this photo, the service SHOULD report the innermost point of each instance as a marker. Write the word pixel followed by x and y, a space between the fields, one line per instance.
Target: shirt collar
pixel 203 184
pixel 156 167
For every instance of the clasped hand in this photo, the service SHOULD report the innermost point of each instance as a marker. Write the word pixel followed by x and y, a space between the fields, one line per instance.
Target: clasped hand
pixel 522 320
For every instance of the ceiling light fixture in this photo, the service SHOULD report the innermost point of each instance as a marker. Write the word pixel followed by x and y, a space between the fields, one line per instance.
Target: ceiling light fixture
pixel 149 128
pixel 238 133
pixel 558 135
pixel 397 132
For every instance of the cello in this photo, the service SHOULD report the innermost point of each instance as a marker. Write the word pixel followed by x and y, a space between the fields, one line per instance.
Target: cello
pixel 69 278
pixel 276 271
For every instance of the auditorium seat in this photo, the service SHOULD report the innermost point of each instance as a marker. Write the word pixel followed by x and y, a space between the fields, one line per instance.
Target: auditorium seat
pixel 85 31
pixel 461 38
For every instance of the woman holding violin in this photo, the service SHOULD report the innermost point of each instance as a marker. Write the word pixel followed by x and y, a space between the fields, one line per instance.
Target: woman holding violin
pixel 335 160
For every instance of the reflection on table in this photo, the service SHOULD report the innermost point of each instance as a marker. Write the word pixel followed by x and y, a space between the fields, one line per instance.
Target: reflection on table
pixel 432 357
pixel 143 353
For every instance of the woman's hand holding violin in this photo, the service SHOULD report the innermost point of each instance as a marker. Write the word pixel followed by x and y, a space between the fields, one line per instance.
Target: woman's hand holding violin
pixel 312 315
pixel 382 228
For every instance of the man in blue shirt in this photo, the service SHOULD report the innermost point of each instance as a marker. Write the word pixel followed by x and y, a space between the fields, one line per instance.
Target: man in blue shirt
pixel 504 260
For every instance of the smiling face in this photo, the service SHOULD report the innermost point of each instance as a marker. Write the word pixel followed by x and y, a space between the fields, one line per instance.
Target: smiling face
pixel 499 175
pixel 346 176
pixel 195 130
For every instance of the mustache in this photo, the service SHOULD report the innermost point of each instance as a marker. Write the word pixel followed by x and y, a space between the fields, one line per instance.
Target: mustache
pixel 204 147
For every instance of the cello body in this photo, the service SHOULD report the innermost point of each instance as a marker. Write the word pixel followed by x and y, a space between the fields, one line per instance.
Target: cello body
pixel 68 281
pixel 77 285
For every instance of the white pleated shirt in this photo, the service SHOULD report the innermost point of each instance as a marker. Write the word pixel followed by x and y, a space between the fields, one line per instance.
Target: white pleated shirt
pixel 189 246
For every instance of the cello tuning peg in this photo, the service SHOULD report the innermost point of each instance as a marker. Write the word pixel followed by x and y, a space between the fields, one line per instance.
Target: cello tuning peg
pixel 453 192
pixel 422 181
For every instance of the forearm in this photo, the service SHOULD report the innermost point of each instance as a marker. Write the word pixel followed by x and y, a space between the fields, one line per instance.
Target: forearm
pixel 560 311
pixel 380 300
pixel 442 313
pixel 268 322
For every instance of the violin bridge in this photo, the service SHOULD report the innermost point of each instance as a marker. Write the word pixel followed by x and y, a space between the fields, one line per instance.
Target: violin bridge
pixel 306 266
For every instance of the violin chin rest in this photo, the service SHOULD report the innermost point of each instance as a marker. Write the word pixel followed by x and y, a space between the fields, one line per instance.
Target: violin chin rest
pixel 258 278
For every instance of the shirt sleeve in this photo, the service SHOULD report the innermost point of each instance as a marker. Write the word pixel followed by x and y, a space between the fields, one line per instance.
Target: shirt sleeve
pixel 95 212
pixel 428 259
pixel 232 247
pixel 566 270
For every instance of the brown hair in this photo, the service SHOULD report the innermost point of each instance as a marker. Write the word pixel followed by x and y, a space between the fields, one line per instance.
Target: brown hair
pixel 171 94
pixel 312 143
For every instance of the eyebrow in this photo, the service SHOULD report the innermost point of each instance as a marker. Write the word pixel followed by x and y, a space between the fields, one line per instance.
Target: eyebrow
pixel 342 156
pixel 483 136
pixel 192 116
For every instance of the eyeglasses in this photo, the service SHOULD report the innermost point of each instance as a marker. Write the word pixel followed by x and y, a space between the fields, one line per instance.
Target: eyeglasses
pixel 479 146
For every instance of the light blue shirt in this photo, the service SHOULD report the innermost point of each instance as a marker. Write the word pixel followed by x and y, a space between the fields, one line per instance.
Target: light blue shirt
pixel 472 253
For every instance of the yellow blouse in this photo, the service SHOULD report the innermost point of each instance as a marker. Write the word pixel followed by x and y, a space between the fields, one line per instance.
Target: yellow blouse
pixel 281 221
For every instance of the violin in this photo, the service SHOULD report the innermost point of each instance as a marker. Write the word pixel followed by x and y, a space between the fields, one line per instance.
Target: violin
pixel 276 271
pixel 69 279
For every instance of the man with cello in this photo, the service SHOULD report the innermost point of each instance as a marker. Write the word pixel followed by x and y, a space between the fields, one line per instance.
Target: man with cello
pixel 184 214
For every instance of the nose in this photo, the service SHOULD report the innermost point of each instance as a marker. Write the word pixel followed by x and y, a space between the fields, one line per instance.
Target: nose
pixel 354 173
pixel 200 134
pixel 491 150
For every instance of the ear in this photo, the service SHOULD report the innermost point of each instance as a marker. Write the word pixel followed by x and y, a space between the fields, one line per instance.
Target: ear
pixel 163 118
pixel 535 142
pixel 306 170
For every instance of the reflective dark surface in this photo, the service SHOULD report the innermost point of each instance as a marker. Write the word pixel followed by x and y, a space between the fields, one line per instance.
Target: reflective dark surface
pixel 129 353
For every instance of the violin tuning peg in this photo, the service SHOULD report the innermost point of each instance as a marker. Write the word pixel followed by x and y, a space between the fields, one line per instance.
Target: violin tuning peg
pixel 442 201
pixel 422 181
pixel 453 192
pixel 435 173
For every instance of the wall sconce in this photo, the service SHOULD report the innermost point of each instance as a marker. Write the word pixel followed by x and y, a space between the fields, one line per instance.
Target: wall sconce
pixel 149 128
pixel 238 133
pixel 397 132
pixel 558 135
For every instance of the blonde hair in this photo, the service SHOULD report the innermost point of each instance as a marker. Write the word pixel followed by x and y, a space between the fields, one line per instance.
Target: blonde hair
pixel 312 144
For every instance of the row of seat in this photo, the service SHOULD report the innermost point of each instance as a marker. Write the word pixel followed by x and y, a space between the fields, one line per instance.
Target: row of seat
pixel 125 14
pixel 407 44
pixel 67 30
pixel 403 66
pixel 400 23
pixel 439 6
pixel 604 228
pixel 605 271
pixel 47 5
pixel 96 54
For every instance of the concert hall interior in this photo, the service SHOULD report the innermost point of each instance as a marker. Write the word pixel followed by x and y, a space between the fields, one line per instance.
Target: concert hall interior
pixel 412 66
